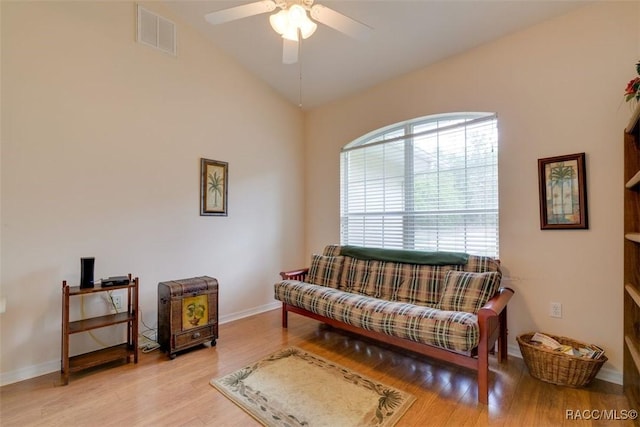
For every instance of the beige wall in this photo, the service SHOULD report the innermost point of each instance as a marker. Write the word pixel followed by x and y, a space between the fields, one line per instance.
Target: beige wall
pixel 101 145
pixel 557 88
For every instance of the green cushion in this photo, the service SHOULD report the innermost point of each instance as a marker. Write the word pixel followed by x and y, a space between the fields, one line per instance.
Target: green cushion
pixel 405 256
pixel 467 291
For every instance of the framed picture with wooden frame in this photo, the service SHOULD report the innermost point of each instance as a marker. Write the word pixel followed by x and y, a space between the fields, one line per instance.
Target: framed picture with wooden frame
pixel 214 183
pixel 563 192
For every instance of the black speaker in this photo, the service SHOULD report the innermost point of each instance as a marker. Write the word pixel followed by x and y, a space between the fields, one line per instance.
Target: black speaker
pixel 86 272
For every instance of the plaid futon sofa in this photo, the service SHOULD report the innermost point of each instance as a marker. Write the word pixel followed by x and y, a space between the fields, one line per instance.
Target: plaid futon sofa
pixel 442 304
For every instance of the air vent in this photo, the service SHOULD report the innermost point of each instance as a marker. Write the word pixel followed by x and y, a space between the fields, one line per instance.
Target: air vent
pixel 156 31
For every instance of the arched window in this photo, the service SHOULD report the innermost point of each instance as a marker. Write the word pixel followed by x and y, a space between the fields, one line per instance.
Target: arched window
pixel 426 184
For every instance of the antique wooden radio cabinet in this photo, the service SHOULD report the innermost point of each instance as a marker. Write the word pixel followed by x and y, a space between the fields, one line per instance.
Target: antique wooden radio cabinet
pixel 187 313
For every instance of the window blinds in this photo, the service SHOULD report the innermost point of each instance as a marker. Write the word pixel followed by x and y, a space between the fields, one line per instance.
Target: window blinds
pixel 429 184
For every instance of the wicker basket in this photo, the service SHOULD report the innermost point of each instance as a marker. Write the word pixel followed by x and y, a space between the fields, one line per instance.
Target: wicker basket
pixel 558 368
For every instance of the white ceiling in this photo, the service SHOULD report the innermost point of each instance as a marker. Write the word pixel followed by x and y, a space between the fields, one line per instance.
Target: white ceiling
pixel 407 36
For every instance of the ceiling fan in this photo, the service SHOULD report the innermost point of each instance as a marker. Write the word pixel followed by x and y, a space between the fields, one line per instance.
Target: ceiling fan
pixel 292 21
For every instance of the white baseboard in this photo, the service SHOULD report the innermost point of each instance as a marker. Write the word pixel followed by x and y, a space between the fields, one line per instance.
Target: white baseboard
pixel 605 374
pixel 29 372
pixel 250 312
pixel 54 365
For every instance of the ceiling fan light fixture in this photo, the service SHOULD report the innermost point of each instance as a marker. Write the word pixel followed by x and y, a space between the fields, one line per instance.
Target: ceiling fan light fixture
pixel 280 21
pixel 307 28
pixel 288 21
pixel 291 33
pixel 297 15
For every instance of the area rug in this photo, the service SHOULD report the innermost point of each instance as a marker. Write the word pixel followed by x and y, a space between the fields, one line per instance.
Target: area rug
pixel 293 387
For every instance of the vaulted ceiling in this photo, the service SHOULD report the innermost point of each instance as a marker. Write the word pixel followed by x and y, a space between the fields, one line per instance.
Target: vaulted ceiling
pixel 407 36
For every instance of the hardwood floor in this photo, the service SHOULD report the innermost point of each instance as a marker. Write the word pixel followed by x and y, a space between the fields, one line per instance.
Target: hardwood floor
pixel 162 392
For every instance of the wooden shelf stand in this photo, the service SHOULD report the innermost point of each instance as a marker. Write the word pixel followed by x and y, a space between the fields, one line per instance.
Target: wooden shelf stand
pixel 635 180
pixel 633 293
pixel 124 351
pixel 634 237
pixel 634 349
pixel 631 365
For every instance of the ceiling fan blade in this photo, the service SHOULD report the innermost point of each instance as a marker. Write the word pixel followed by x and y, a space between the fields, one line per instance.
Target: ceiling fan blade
pixel 340 22
pixel 238 12
pixel 289 51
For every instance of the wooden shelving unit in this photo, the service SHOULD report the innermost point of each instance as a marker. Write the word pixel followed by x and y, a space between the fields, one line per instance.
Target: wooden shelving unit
pixel 631 374
pixel 634 237
pixel 635 180
pixel 124 351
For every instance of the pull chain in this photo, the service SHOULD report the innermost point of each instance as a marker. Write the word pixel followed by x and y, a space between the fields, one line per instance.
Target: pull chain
pixel 300 73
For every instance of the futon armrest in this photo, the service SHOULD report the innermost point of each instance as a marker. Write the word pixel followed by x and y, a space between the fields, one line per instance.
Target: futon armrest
pixel 496 304
pixel 300 274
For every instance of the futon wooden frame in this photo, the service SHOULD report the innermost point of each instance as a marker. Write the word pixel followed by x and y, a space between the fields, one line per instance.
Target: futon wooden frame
pixel 492 322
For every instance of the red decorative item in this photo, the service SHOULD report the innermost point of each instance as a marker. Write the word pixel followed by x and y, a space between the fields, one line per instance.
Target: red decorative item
pixel 633 87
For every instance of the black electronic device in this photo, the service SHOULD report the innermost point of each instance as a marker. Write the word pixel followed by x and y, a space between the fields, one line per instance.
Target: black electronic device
pixel 86 272
pixel 115 281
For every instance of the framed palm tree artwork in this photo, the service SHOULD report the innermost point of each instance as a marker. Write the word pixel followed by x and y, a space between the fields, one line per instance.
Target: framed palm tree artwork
pixel 563 192
pixel 214 180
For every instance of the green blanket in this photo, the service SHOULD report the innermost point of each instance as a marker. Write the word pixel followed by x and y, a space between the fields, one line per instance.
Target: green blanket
pixel 405 256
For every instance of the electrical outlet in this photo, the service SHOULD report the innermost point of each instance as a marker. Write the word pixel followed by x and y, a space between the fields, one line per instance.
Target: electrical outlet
pixel 555 309
pixel 117 302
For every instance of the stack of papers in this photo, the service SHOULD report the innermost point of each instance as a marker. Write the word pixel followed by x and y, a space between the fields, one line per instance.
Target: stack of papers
pixel 590 351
